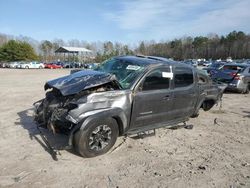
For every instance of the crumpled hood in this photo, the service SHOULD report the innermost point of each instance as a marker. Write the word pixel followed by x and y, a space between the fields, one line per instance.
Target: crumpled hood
pixel 79 81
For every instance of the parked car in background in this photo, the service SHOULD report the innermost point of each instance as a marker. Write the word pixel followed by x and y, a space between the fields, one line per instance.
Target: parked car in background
pixel 191 62
pixel 14 64
pixel 213 68
pixel 32 65
pixel 236 76
pixel 68 65
pixel 124 95
pixel 207 63
pixel 247 61
pixel 19 66
pixel 3 65
pixel 90 65
pixel 200 63
pixel 53 66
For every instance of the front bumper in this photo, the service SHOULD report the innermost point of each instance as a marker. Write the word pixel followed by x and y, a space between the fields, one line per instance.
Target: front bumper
pixel 53 118
pixel 55 124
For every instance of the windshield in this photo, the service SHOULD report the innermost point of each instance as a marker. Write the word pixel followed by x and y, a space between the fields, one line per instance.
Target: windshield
pixel 125 72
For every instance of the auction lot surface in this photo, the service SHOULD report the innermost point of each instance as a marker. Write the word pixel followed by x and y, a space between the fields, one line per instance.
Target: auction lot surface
pixel 209 155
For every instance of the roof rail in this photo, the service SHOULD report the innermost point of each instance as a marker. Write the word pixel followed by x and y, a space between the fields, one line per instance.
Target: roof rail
pixel 139 55
pixel 154 58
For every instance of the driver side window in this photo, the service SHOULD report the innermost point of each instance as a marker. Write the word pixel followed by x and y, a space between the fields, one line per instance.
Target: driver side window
pixel 156 80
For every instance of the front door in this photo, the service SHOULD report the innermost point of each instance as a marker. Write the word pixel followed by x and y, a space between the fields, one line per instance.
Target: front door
pixel 153 101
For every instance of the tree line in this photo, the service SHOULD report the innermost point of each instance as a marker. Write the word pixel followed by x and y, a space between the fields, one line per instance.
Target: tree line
pixel 236 44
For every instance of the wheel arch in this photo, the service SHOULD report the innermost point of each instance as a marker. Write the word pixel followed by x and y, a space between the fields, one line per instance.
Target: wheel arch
pixel 115 113
pixel 208 104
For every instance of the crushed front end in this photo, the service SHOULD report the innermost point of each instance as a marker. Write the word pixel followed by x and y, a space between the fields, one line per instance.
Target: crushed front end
pixel 70 93
pixel 51 112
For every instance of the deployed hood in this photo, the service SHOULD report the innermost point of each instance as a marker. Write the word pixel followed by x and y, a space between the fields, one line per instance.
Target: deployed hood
pixel 79 81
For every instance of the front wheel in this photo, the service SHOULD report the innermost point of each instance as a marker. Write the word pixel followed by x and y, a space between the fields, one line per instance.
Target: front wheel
pixel 97 138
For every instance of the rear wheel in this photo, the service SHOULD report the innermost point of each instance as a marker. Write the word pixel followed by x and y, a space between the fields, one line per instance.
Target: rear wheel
pixel 27 67
pixel 246 91
pixel 195 115
pixel 208 104
pixel 97 138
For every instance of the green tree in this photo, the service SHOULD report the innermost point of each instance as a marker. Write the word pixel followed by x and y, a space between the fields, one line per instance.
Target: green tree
pixel 142 48
pixel 17 51
pixel 46 47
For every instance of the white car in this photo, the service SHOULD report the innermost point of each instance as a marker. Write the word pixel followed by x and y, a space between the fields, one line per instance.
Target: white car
pixel 14 64
pixel 32 65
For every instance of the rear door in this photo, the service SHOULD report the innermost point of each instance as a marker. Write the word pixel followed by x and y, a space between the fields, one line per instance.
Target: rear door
pixel 185 92
pixel 153 99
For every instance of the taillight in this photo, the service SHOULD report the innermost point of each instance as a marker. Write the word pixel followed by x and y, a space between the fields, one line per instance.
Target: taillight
pixel 232 74
pixel 237 77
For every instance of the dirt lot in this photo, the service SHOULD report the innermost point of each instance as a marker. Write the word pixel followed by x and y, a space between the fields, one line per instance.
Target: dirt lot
pixel 209 155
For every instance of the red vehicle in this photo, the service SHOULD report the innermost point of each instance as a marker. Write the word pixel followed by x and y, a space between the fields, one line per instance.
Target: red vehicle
pixel 53 66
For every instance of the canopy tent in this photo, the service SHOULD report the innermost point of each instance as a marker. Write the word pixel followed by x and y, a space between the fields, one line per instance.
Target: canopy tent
pixel 64 49
pixel 81 53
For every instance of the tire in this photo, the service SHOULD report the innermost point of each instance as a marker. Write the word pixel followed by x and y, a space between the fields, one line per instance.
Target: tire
pixel 246 91
pixel 195 115
pixel 26 67
pixel 97 138
pixel 40 67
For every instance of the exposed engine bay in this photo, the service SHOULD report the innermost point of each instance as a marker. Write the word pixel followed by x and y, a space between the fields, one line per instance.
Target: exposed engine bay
pixel 52 111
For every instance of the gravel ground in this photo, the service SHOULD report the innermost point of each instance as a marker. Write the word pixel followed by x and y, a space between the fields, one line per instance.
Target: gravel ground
pixel 209 155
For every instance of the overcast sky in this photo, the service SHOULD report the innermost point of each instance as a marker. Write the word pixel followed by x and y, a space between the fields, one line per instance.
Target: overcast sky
pixel 122 20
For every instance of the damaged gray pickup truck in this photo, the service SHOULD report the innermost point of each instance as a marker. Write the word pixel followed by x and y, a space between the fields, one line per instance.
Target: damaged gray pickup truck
pixel 123 95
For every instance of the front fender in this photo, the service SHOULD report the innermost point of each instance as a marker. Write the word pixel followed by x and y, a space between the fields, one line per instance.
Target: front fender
pixel 116 113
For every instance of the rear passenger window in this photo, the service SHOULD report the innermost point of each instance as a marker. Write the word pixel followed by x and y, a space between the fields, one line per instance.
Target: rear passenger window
pixel 183 77
pixel 156 80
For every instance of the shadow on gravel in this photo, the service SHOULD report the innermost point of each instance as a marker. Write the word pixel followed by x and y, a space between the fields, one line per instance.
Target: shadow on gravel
pixel 41 135
pixel 247 114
